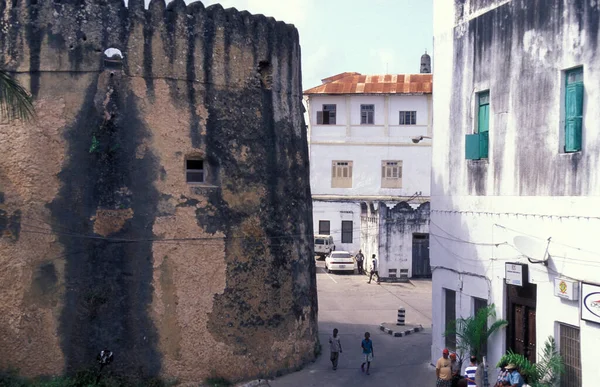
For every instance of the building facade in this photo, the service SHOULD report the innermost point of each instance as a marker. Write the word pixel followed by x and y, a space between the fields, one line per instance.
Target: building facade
pixel 159 205
pixel 515 189
pixel 361 130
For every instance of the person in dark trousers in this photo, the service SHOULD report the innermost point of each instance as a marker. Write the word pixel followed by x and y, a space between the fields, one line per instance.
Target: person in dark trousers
pixel 335 345
pixel 374 269
pixel 368 352
pixel 360 258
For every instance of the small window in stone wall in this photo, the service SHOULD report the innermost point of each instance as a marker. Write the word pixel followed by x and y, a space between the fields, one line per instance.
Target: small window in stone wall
pixel 194 170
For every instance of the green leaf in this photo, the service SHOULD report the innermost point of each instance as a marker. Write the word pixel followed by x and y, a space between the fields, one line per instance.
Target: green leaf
pixel 15 101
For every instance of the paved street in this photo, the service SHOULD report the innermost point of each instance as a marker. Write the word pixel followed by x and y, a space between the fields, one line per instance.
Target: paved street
pixel 348 303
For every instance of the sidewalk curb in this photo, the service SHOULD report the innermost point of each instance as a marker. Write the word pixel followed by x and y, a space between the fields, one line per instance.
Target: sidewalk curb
pixel 399 332
pixel 254 383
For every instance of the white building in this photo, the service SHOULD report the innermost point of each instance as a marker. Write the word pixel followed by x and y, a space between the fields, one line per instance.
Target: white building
pixel 361 150
pixel 515 173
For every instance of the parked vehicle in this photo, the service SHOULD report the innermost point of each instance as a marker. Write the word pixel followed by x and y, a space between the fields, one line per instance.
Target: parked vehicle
pixel 323 245
pixel 340 261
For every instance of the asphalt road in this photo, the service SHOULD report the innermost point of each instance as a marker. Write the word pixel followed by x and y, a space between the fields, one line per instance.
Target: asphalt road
pixel 348 303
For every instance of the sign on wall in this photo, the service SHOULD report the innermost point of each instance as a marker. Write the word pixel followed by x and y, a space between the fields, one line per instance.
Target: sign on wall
pixel 590 302
pixel 515 274
pixel 566 288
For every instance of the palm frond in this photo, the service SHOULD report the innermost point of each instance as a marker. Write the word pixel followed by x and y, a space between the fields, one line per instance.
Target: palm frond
pixel 15 101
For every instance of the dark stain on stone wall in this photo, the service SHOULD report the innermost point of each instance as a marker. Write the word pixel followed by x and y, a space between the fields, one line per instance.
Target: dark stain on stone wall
pixel 34 39
pixel 104 307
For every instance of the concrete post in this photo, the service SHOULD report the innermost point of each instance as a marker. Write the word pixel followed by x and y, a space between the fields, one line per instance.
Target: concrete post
pixel 401 316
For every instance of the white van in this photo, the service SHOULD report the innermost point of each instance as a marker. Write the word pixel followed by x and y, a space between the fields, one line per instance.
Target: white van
pixel 323 245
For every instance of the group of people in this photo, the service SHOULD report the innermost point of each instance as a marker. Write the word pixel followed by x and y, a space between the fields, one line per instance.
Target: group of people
pixel 335 346
pixel 360 258
pixel 447 372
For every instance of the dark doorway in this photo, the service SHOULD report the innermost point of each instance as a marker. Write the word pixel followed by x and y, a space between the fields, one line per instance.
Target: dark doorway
pixel 521 304
pixel 420 256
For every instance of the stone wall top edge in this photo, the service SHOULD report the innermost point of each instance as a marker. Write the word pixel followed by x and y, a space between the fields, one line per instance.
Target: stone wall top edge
pixel 82 16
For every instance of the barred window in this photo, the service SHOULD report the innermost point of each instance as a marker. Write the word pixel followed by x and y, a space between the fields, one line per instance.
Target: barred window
pixel 346 231
pixel 324 228
pixel 408 118
pixel 570 350
pixel 367 114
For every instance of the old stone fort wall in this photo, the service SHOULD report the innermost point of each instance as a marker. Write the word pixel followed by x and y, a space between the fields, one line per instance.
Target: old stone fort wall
pixel 103 242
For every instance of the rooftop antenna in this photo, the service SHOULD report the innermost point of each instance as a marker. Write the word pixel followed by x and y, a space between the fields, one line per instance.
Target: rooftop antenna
pixel 386 68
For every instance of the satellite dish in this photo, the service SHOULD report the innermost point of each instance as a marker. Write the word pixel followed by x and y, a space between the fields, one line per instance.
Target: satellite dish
pixel 534 249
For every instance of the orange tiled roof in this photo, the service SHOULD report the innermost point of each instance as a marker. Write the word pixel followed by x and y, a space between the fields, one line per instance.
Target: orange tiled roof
pixel 355 83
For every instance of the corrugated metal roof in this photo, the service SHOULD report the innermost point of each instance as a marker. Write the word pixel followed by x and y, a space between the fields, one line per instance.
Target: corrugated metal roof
pixel 355 83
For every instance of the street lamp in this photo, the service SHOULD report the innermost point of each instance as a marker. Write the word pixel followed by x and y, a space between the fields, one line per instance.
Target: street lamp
pixel 418 139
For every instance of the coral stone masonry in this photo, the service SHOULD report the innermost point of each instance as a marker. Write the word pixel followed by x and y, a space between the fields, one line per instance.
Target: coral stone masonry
pixel 159 206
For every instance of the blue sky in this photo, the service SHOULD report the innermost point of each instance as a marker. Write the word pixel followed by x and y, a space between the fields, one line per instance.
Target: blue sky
pixel 348 35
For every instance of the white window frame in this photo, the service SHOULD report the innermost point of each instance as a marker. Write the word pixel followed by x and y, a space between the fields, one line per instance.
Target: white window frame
pixel 367 114
pixel 412 117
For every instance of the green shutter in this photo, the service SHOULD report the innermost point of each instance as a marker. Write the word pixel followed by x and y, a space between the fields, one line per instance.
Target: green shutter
pixel 573 116
pixel 483 119
pixel 483 144
pixel 574 103
pixel 573 135
pixel 472 147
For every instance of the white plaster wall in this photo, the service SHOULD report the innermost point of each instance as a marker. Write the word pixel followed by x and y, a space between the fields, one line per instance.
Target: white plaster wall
pixel 335 212
pixel 385 130
pixel 472 236
pixel 396 249
pixel 479 240
pixel 366 175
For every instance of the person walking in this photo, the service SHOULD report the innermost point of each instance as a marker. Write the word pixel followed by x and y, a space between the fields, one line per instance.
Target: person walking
pixel 335 346
pixel 443 370
pixel 374 269
pixel 360 258
pixel 368 352
pixel 470 372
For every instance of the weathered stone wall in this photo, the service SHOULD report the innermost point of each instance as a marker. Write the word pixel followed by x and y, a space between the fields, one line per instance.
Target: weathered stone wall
pixel 103 243
pixel 388 233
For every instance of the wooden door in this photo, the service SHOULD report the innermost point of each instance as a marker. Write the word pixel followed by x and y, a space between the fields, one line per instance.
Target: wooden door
pixel 519 321
pixel 421 267
pixel 531 342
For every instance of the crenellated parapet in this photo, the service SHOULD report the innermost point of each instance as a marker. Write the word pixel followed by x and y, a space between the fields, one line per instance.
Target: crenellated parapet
pixel 177 41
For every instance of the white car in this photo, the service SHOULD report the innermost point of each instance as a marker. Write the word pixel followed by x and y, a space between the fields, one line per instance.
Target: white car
pixel 340 261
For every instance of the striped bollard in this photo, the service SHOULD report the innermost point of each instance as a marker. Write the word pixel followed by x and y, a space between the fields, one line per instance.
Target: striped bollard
pixel 401 316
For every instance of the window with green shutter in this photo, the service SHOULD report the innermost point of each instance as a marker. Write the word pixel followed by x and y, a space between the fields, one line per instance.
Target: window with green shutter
pixel 476 145
pixel 573 109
